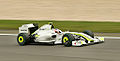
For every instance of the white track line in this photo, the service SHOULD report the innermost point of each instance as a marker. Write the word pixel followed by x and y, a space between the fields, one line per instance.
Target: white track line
pixel 8 34
pixel 106 37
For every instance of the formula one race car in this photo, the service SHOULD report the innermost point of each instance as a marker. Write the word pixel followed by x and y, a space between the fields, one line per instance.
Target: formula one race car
pixel 30 33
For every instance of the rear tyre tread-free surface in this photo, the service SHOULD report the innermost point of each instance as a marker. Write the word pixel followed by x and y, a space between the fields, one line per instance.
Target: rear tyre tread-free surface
pixel 23 39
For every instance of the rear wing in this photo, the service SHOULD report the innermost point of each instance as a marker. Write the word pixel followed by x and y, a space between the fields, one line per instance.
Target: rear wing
pixel 28 28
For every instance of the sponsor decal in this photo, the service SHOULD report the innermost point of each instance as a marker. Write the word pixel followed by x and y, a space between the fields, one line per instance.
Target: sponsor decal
pixel 23 30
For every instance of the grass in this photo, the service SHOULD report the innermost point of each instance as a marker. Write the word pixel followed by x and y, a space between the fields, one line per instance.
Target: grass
pixel 78 26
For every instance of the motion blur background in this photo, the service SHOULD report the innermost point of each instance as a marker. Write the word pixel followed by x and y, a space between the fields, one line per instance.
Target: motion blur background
pixel 80 10
pixel 60 11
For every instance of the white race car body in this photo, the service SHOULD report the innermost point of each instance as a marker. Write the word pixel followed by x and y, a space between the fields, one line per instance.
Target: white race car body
pixel 47 34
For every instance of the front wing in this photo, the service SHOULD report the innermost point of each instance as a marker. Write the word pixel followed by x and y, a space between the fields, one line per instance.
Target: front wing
pixel 81 43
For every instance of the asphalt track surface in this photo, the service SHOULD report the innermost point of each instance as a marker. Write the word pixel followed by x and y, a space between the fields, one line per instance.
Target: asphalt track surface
pixel 11 51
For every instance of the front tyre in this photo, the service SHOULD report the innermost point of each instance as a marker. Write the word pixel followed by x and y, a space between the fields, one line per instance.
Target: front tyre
pixel 23 39
pixel 67 39
pixel 90 33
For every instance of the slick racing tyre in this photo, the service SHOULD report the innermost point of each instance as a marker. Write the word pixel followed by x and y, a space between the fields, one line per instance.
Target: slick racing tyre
pixel 89 33
pixel 23 39
pixel 67 39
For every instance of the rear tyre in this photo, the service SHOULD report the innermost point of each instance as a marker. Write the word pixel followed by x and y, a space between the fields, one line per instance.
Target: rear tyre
pixel 23 39
pixel 90 33
pixel 67 39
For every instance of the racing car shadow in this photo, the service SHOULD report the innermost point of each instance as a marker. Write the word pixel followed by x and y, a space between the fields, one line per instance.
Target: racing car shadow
pixel 43 44
pixel 50 44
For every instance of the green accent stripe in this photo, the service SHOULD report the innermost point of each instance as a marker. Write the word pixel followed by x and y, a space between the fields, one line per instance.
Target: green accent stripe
pixel 82 36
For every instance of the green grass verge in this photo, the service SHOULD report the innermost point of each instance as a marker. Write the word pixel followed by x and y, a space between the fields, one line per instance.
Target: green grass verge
pixel 78 26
